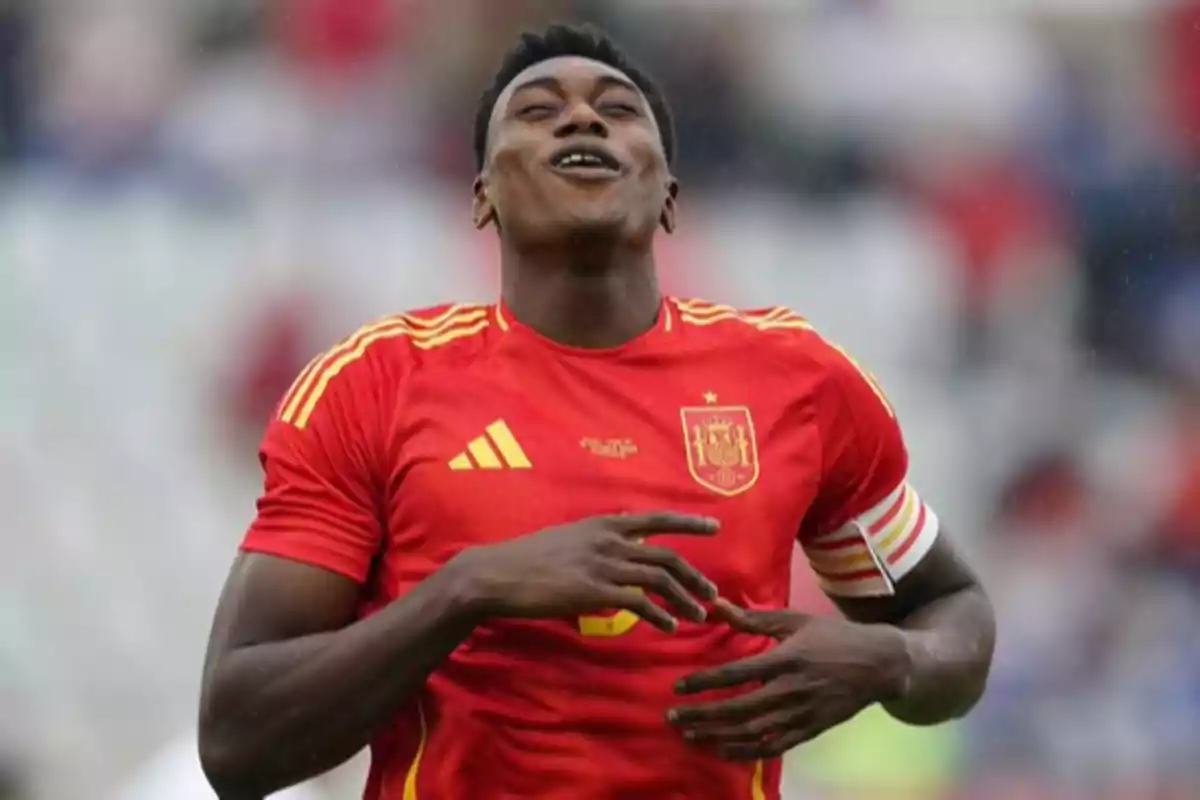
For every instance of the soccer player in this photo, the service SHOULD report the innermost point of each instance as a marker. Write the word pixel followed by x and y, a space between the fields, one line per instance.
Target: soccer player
pixel 538 549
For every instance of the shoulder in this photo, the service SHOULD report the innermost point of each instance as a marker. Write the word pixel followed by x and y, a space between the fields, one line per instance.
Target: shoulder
pixel 378 357
pixel 726 321
pixel 446 332
pixel 775 331
pixel 777 337
pixel 411 339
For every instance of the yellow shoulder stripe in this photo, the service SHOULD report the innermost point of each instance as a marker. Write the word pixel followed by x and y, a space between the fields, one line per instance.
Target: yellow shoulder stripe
pixel 310 375
pixel 778 312
pixel 702 313
pixel 702 307
pixel 426 334
pixel 712 319
pixel 428 340
pixel 867 375
pixel 455 311
pixel 301 380
pixel 777 318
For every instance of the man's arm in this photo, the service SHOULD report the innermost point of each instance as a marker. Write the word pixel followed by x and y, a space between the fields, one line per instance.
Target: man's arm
pixel 292 684
pixel 919 632
pixel 880 554
pixel 923 653
pixel 291 688
pixel 949 633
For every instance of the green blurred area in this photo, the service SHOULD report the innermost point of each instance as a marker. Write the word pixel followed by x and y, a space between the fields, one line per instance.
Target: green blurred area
pixel 875 756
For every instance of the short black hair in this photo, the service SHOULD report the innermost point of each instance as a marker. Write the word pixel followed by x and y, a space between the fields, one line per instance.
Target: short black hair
pixel 569 40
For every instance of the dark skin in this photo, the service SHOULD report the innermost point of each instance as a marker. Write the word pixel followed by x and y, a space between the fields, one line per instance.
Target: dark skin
pixel 923 653
pixel 577 262
pixel 294 685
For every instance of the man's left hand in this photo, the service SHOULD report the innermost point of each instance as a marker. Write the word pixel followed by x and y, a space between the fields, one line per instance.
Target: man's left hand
pixel 823 672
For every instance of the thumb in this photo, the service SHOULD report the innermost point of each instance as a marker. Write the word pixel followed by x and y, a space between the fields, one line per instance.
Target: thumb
pixel 777 624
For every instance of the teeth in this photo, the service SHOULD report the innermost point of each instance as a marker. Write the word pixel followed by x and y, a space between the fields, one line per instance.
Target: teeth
pixel 580 160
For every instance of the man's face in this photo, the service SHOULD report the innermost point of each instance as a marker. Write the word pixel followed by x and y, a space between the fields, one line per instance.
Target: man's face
pixel 573 149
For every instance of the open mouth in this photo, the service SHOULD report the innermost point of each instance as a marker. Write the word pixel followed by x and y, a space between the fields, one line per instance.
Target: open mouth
pixel 585 159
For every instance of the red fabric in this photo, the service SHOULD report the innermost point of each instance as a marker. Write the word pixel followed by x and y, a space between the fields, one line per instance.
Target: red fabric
pixel 806 595
pixel 863 454
pixel 376 468
pixel 317 505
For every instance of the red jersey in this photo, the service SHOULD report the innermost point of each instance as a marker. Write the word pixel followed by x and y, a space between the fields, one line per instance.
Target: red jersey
pixel 427 433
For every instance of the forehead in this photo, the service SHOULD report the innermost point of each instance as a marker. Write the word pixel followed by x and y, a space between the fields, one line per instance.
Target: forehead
pixel 569 71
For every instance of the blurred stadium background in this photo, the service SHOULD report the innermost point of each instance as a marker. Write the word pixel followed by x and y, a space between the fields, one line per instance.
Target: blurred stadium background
pixel 996 205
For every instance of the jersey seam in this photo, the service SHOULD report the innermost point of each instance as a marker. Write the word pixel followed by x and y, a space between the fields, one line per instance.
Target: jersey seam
pixel 841 391
pixel 789 367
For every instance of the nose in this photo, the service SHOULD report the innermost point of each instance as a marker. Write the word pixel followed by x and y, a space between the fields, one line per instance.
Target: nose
pixel 581 118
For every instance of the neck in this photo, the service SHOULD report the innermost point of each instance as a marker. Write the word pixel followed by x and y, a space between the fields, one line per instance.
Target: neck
pixel 580 297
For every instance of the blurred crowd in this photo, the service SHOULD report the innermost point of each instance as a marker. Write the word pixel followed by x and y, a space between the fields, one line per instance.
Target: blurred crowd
pixel 995 206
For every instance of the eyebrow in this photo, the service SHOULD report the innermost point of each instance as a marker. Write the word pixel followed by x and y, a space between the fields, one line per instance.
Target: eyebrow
pixel 555 85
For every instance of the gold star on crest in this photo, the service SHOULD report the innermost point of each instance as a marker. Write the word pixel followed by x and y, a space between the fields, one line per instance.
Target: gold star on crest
pixel 710 398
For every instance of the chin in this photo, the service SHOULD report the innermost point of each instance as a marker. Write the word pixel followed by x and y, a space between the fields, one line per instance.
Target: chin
pixel 583 217
pixel 596 222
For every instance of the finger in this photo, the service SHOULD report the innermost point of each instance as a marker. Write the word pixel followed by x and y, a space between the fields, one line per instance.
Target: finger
pixel 640 604
pixel 765 726
pixel 734 616
pixel 664 522
pixel 777 624
pixel 685 573
pixel 766 749
pixel 760 668
pixel 737 709
pixel 657 581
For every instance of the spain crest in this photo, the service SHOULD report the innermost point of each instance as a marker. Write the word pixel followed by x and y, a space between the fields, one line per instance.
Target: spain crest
pixel 721 450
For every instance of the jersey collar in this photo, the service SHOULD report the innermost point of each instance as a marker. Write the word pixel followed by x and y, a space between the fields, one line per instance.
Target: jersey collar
pixel 663 326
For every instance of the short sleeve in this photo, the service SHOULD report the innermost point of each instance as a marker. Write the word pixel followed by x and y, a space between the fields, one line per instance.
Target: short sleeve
pixel 319 503
pixel 867 527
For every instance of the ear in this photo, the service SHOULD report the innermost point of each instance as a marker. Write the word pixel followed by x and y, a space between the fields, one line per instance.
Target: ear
pixel 482 211
pixel 667 219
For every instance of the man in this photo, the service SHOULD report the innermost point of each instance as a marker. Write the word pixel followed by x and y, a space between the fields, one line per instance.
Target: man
pixel 460 555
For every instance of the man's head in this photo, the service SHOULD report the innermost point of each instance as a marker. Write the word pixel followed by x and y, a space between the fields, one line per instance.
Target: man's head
pixel 572 140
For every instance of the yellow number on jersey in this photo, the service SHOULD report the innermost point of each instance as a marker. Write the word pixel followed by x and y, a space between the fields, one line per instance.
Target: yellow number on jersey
pixel 611 625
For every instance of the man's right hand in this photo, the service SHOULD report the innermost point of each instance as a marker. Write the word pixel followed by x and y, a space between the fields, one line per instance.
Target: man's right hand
pixel 591 566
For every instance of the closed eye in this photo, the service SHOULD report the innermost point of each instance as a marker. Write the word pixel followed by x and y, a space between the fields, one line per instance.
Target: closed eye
pixel 621 109
pixel 536 111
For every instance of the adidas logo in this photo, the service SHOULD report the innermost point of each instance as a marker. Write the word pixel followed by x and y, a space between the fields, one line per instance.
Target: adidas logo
pixel 496 449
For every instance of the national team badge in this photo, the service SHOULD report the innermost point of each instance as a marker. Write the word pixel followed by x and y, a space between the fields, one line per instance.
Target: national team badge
pixel 721 451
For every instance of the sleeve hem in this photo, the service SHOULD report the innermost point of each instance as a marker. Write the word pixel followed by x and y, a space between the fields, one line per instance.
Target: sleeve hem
pixel 306 555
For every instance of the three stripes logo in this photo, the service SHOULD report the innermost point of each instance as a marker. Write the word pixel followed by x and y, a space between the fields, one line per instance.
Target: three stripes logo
pixel 496 449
